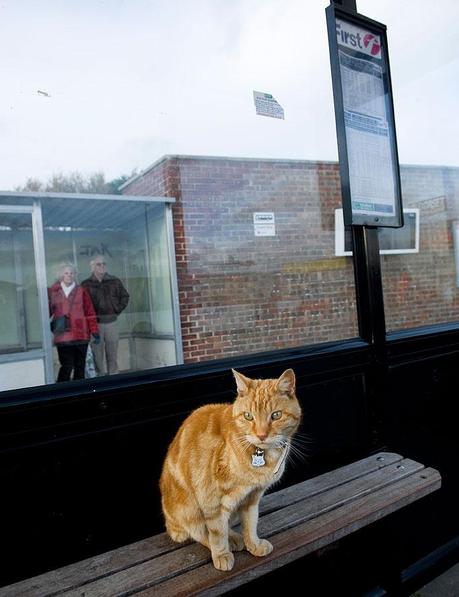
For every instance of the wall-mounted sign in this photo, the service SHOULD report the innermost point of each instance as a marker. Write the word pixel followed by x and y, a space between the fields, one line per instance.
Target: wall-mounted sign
pixel 267 105
pixel 370 175
pixel 392 241
pixel 264 223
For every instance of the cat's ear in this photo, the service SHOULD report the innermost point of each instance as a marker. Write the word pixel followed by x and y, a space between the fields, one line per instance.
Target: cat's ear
pixel 286 382
pixel 242 382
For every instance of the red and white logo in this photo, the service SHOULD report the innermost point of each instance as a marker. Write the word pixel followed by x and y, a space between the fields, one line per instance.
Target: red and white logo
pixel 372 43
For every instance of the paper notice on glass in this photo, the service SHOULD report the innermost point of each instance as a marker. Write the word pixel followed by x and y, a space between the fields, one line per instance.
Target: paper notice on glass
pixel 370 157
pixel 266 105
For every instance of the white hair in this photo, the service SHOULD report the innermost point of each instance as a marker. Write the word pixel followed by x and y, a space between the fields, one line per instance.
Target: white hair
pixel 63 266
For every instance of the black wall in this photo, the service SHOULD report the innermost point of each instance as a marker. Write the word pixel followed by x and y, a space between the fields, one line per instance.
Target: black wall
pixel 80 462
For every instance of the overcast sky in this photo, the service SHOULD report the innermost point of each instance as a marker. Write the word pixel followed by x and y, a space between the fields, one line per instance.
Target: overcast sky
pixel 131 80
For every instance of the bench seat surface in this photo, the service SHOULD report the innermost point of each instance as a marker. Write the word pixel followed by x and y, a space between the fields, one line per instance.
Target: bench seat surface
pixel 297 520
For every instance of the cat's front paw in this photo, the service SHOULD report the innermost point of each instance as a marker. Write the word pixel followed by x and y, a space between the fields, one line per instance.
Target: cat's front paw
pixel 223 561
pixel 261 548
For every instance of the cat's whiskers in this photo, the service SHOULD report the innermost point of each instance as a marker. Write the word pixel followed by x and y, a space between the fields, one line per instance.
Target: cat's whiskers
pixel 302 446
pixel 243 442
pixel 302 438
pixel 296 456
pixel 282 441
pixel 295 449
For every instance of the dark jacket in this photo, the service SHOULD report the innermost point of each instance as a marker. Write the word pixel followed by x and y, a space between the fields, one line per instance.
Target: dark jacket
pixel 109 297
pixel 78 307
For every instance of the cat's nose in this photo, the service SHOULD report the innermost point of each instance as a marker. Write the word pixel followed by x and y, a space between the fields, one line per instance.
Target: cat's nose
pixel 262 436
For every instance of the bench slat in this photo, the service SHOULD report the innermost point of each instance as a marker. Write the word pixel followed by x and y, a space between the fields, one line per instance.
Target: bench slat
pixel 54 582
pixel 157 558
pixel 307 508
pixel 191 556
pixel 300 540
pixel 322 483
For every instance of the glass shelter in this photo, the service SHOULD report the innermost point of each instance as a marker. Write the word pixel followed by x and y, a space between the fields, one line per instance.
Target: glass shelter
pixel 40 231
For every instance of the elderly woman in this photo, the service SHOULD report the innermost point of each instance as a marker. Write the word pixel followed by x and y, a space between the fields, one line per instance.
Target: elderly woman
pixel 73 320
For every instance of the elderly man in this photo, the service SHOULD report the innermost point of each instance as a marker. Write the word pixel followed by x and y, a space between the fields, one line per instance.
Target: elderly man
pixel 109 298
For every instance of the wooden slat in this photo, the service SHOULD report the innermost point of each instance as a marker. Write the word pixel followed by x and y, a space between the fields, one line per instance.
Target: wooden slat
pixel 56 581
pixel 328 480
pixel 193 556
pixel 336 497
pixel 91 569
pixel 299 541
pixel 156 561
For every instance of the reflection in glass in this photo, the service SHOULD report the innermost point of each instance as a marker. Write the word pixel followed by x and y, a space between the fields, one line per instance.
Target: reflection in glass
pixel 130 239
pixel 19 322
pixel 130 242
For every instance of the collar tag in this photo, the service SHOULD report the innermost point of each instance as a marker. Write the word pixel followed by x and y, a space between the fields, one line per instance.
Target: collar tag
pixel 258 457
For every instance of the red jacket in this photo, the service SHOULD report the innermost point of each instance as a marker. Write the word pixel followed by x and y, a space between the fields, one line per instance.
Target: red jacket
pixel 78 306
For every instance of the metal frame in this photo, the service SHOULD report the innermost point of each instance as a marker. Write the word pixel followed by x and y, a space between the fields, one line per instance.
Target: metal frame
pixel 333 11
pixel 174 283
pixel 367 261
pixel 19 280
pixel 150 292
pixel 98 197
pixel 39 255
pixel 40 267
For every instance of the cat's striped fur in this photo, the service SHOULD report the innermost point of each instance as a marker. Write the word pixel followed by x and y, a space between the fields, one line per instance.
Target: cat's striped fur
pixel 208 475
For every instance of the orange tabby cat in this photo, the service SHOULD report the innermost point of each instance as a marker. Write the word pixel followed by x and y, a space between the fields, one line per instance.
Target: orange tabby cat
pixel 222 459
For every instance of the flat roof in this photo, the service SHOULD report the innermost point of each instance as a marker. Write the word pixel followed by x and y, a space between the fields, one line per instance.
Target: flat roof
pixel 167 157
pixel 94 196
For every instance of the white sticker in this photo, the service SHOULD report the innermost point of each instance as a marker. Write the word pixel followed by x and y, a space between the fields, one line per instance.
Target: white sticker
pixel 266 105
pixel 264 223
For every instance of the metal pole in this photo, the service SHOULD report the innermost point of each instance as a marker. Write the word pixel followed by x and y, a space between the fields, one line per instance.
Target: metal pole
pixel 350 4
pixel 367 272
pixel 370 305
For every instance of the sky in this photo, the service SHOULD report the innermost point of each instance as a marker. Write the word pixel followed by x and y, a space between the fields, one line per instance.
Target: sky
pixel 112 86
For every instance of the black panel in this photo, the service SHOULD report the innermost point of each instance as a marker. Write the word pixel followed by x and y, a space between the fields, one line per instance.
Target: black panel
pixel 81 473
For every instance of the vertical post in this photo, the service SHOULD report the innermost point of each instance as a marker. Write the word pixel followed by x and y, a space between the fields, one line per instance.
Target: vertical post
pixel 367 272
pixel 350 4
pixel 368 282
pixel 40 270
pixel 370 304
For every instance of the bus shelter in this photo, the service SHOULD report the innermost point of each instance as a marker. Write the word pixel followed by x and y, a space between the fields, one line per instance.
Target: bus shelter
pixel 40 231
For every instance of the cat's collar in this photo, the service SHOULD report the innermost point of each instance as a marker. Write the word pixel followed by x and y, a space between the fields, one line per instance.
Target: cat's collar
pixel 258 455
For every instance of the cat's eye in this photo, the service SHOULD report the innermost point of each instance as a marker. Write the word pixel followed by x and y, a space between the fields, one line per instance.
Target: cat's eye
pixel 248 416
pixel 277 414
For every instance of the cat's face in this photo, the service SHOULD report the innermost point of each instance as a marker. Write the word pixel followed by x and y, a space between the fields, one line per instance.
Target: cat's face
pixel 266 412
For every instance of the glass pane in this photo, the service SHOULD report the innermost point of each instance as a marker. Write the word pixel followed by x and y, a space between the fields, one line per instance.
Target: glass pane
pixel 256 260
pixel 120 253
pixel 253 236
pixel 20 328
pixel 421 288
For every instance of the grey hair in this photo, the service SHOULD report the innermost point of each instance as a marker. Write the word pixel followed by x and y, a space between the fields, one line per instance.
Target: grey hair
pixel 95 258
pixel 63 266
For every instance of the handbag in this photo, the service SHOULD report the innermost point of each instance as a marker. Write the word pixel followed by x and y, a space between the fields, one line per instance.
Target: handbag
pixel 60 324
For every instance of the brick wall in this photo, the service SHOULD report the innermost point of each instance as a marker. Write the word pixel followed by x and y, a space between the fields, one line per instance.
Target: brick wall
pixel 420 289
pixel 239 293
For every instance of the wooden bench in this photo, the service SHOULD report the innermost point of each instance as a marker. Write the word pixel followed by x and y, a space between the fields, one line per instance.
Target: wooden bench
pixel 298 520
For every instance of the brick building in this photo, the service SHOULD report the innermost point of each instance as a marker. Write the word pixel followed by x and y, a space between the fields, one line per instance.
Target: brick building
pixel 239 293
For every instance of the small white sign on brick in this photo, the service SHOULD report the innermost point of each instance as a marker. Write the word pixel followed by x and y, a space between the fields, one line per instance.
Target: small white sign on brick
pixel 264 223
